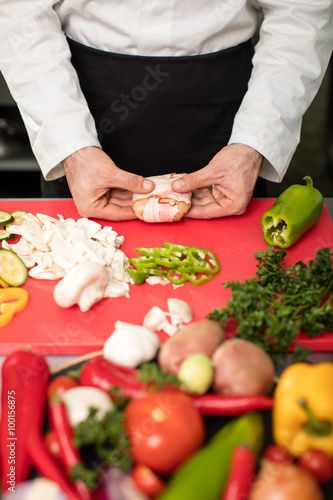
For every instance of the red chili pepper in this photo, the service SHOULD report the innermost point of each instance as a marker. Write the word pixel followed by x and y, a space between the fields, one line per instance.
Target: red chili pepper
pixel 47 465
pixel 218 404
pixel 99 372
pixel 241 474
pixel 25 376
pixel 69 454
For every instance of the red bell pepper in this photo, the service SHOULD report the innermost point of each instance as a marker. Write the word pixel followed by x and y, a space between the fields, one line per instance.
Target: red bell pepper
pixel 101 373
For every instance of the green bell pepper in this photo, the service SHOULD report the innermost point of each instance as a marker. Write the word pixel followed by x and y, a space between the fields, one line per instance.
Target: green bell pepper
pixel 204 475
pixel 295 211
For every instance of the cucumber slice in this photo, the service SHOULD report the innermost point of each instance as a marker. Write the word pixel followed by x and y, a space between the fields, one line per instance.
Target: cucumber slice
pixel 6 235
pixel 13 271
pixel 18 214
pixel 5 218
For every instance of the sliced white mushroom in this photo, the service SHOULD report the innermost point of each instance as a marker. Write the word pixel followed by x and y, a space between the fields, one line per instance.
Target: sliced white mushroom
pixel 116 288
pixel 62 253
pixel 43 273
pixel 90 227
pixel 180 312
pixel 131 345
pixel 84 285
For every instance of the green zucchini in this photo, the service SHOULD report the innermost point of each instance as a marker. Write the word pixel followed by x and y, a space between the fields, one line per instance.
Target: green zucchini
pixel 6 235
pixel 5 218
pixel 13 271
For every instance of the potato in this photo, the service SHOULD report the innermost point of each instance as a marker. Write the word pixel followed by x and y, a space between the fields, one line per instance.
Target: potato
pixel 197 337
pixel 242 368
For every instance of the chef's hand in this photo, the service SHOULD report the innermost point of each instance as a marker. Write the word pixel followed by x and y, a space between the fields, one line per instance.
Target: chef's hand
pixel 233 172
pixel 99 188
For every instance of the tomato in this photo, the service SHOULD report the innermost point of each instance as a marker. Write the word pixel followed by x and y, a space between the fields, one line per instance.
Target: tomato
pixel 318 463
pixel 52 443
pixel 59 385
pixel 164 428
pixel 276 453
pixel 149 483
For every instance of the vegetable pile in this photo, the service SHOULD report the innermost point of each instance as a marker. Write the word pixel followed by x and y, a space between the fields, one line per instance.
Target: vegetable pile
pixel 177 263
pixel 298 298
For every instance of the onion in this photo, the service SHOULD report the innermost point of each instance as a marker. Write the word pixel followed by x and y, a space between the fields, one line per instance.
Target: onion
pixel 118 486
pixel 280 481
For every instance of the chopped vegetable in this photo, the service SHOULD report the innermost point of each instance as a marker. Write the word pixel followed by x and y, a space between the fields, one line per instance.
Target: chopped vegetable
pixel 298 298
pixel 177 263
pixel 13 271
pixel 5 218
pixel 12 300
pixel 6 235
pixel 295 211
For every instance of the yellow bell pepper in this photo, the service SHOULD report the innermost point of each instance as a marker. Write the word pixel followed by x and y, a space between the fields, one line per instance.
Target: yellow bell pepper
pixel 12 300
pixel 303 408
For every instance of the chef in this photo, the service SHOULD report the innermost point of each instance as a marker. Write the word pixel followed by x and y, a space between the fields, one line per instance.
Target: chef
pixel 114 91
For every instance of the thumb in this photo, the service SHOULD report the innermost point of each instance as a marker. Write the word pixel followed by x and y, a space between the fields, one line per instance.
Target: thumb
pixel 190 182
pixel 132 182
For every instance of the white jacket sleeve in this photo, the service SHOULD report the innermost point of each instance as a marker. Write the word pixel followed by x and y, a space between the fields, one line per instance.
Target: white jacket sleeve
pixel 35 62
pixel 291 58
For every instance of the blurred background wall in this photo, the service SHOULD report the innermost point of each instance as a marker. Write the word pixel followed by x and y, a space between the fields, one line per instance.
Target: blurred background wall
pixel 314 156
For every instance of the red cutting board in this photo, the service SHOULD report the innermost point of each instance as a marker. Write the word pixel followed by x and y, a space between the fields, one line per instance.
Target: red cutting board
pixel 51 330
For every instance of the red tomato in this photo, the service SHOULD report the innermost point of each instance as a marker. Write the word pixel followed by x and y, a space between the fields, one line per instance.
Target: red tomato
pixel 149 483
pixel 276 453
pixel 318 463
pixel 59 385
pixel 164 428
pixel 52 443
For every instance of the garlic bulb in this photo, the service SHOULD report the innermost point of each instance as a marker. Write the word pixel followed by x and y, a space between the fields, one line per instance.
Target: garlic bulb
pixel 131 345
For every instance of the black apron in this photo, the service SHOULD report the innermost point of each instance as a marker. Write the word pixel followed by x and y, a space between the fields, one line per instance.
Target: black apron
pixel 158 115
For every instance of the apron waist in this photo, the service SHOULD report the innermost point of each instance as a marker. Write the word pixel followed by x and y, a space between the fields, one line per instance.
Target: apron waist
pixel 157 115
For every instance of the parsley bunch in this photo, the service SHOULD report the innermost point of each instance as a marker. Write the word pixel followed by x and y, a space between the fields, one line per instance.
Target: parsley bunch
pixel 271 308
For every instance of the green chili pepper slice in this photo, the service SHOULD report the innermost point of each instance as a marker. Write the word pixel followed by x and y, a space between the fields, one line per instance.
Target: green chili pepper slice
pixel 176 277
pixel 200 262
pixel 196 278
pixel 138 276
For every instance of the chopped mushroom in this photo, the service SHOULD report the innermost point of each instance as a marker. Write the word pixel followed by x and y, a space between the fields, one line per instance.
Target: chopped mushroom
pixel 84 285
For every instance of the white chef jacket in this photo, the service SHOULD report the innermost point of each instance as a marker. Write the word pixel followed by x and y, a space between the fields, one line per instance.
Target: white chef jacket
pixel 291 57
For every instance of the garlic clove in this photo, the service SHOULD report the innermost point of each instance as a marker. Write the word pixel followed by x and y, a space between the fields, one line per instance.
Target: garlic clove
pixel 180 311
pixel 155 319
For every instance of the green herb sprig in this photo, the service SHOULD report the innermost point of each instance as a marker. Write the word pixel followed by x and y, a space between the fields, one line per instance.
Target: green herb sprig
pixel 271 308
